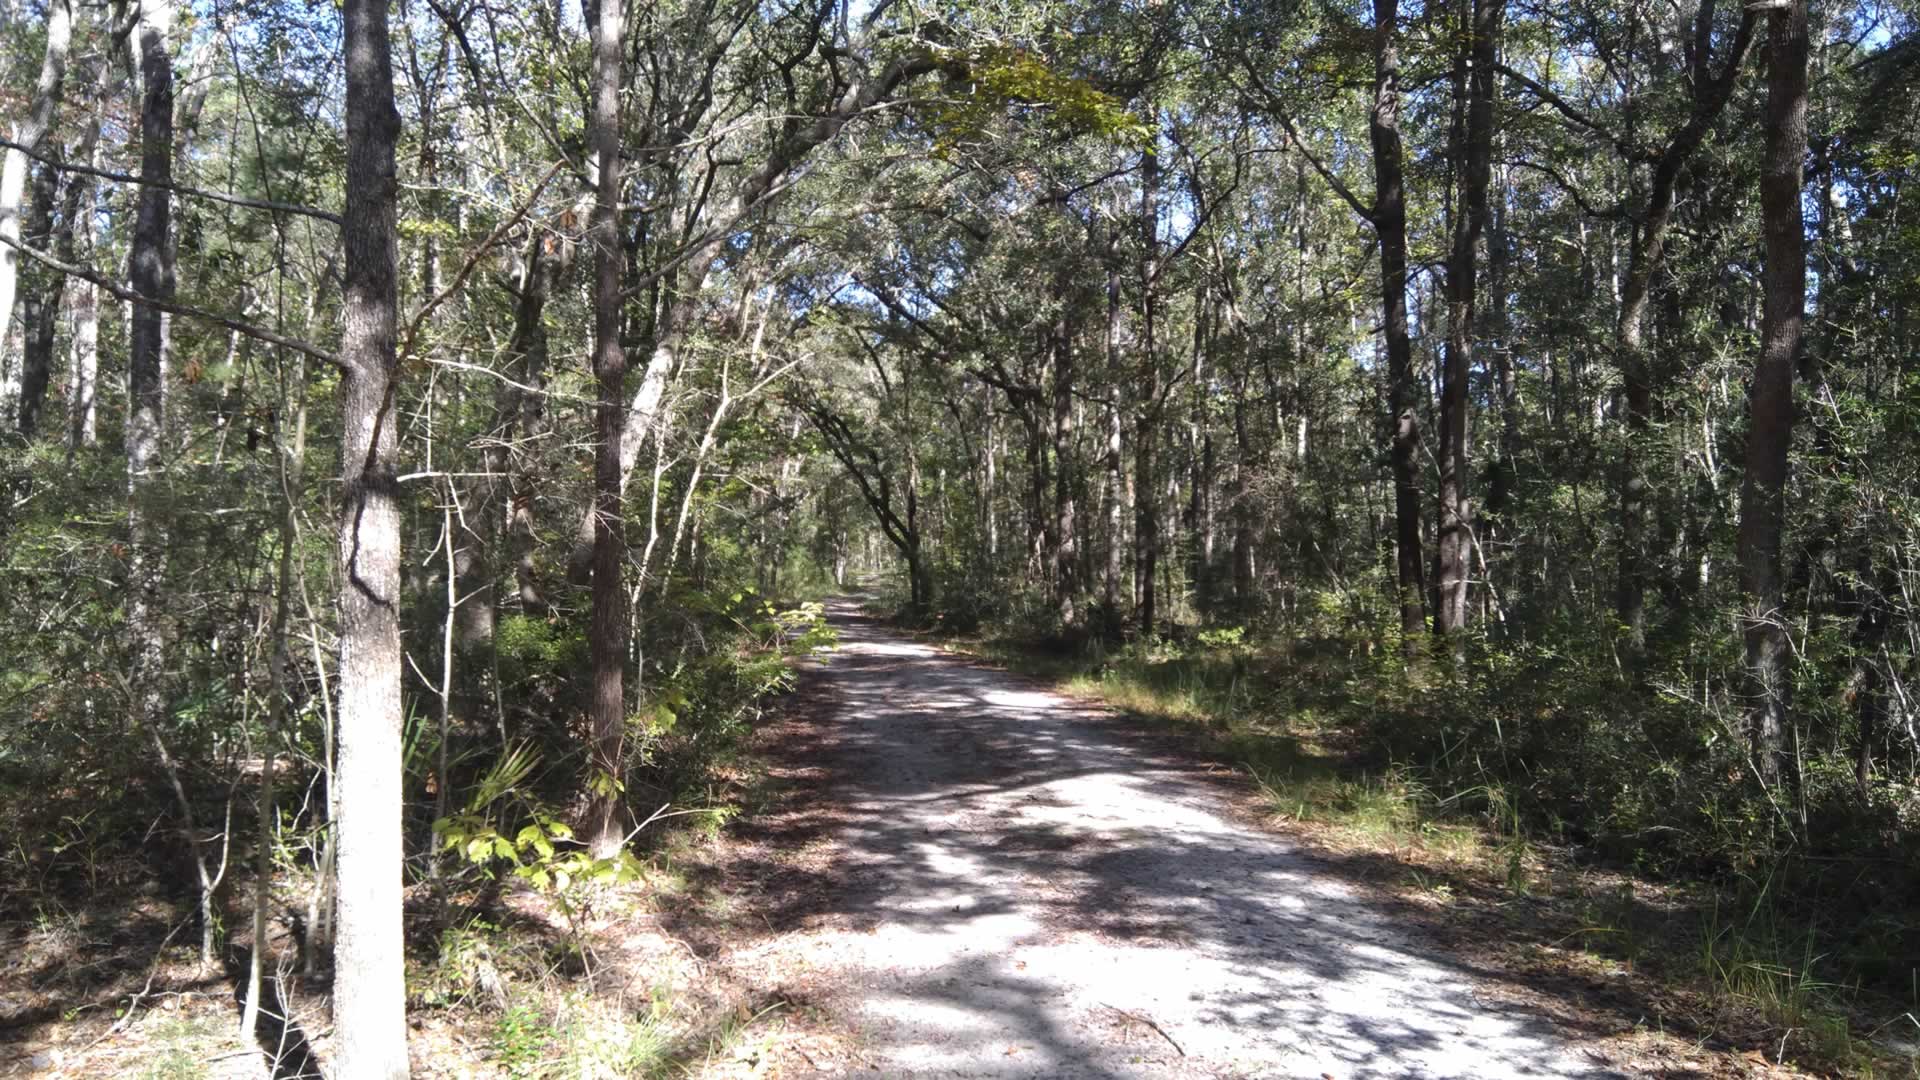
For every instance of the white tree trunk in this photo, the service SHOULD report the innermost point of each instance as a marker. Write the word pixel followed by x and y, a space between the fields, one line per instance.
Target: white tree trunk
pixel 369 988
pixel 29 132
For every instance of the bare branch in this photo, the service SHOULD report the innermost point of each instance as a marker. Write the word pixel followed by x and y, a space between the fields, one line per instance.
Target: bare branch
pixel 238 326
pixel 178 189
pixel 473 257
pixel 1568 186
pixel 1574 113
pixel 1278 110
pixel 773 177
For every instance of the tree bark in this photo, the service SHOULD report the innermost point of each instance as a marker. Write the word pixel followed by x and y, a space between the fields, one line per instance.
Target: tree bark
pixel 1115 493
pixel 40 302
pixel 1390 223
pixel 83 429
pixel 1065 544
pixel 1472 138
pixel 1243 519
pixel 30 132
pixel 41 322
pixel 82 394
pixel 370 1005
pixel 1146 534
pixel 150 262
pixel 607 632
pixel 1770 395
pixel 529 347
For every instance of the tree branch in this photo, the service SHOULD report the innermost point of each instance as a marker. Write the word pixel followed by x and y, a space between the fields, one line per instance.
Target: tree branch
pixel 1278 111
pixel 771 178
pixel 1566 185
pixel 238 326
pixel 1573 113
pixel 178 189
pixel 473 257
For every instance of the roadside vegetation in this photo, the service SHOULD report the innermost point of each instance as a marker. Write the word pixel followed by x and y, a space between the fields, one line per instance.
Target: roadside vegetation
pixel 1525 803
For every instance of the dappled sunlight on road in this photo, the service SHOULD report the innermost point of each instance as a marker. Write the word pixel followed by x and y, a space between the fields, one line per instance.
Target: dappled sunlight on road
pixel 1016 888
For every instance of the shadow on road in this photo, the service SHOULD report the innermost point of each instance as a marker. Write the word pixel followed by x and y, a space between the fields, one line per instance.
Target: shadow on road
pixel 1004 883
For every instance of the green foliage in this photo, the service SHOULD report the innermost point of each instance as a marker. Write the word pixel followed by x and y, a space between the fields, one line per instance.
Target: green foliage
pixel 1003 80
pixel 542 852
pixel 532 648
pixel 520 1041
pixel 181 1047
pixel 578 1039
pixel 1223 637
pixel 465 968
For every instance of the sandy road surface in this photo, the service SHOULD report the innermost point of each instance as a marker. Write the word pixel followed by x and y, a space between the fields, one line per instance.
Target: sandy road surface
pixel 1017 887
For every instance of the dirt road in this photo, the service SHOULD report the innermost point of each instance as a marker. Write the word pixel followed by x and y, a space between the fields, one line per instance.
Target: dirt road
pixel 1006 884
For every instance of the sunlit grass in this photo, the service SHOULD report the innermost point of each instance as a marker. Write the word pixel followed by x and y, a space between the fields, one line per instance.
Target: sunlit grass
pixel 1752 955
pixel 1388 806
pixel 1143 699
pixel 1224 696
pixel 181 1045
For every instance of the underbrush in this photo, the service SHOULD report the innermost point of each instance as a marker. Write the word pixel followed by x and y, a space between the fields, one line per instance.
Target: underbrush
pixel 527 956
pixel 515 996
pixel 554 952
pixel 1537 770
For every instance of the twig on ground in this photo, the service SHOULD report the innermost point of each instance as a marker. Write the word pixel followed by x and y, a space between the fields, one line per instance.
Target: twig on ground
pixel 133 1004
pixel 1143 1020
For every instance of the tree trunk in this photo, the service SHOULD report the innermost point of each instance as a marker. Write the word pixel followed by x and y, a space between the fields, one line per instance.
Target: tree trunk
pixel 30 132
pixel 1198 516
pixel 369 991
pixel 1243 519
pixel 1115 481
pixel 497 504
pixel 1472 139
pixel 40 303
pixel 1390 222
pixel 1500 485
pixel 150 263
pixel 1065 544
pixel 1146 536
pixel 529 346
pixel 607 641
pixel 920 578
pixel 82 405
pixel 82 394
pixel 292 462
pixel 1033 420
pixel 1770 396
pixel 637 421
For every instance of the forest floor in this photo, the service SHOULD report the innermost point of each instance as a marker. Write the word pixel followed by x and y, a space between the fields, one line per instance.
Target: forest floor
pixel 961 873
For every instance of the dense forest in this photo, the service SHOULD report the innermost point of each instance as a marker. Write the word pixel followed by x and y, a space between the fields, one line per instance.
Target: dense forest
pixel 430 430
